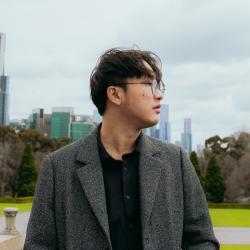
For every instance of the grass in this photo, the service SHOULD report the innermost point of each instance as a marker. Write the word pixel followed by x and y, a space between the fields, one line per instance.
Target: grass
pixel 220 218
pixel 230 217
pixel 235 247
pixel 23 207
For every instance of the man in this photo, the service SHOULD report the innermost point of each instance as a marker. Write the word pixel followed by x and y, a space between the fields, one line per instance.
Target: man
pixel 118 188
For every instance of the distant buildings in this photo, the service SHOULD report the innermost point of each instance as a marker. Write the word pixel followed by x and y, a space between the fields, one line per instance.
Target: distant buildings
pixel 18 124
pixel 154 132
pixel 186 136
pixel 79 130
pixel 61 118
pixel 61 123
pixel 164 123
pixel 40 121
pixel 4 86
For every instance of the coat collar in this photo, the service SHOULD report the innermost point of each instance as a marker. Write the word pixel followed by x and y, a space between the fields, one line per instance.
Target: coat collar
pixel 91 177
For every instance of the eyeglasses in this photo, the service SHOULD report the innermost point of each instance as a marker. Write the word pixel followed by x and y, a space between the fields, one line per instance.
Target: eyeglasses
pixel 156 87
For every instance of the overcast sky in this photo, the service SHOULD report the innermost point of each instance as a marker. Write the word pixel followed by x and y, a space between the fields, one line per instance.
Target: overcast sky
pixel 52 46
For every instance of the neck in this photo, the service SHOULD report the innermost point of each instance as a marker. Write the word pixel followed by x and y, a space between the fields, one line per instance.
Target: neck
pixel 118 138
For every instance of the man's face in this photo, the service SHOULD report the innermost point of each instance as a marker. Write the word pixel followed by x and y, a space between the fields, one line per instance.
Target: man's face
pixel 139 104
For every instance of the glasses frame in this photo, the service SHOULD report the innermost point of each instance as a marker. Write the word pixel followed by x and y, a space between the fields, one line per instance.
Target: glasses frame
pixel 155 86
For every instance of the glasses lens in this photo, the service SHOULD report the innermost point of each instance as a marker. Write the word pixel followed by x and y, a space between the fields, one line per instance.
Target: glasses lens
pixel 160 87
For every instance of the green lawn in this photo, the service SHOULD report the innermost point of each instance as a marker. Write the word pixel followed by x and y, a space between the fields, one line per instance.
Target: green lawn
pixel 23 207
pixel 230 217
pixel 220 218
pixel 235 247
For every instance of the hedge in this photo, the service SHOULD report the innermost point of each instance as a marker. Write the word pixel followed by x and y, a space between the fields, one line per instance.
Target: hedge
pixel 229 205
pixel 17 200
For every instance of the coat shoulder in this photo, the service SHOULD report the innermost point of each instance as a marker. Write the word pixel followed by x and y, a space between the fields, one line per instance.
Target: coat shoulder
pixel 69 150
pixel 169 148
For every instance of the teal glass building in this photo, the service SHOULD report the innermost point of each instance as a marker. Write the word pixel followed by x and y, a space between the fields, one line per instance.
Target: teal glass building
pixel 60 125
pixel 79 130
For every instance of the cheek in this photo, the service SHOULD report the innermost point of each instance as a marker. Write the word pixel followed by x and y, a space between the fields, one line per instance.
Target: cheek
pixel 142 98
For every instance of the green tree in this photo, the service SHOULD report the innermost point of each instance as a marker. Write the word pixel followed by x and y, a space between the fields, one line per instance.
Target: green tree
pixel 27 176
pixel 11 151
pixel 196 164
pixel 214 182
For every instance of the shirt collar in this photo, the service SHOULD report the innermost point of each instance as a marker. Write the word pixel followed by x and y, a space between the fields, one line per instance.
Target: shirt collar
pixel 104 154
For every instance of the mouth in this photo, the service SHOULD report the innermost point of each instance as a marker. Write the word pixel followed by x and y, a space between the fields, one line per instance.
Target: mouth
pixel 157 108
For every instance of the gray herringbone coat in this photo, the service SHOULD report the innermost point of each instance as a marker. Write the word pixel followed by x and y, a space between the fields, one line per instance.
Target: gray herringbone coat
pixel 69 209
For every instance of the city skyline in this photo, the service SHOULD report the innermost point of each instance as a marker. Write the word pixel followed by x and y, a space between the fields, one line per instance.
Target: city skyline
pixel 206 70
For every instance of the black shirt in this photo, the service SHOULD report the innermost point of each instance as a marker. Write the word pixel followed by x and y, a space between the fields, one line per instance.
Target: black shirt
pixel 121 181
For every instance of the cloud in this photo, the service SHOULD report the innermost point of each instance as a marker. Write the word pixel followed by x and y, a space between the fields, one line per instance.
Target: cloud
pixel 52 47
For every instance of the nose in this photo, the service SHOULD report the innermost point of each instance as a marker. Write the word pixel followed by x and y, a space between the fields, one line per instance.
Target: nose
pixel 159 95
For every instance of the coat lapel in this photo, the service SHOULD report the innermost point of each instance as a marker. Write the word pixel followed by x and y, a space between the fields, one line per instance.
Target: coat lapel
pixel 91 179
pixel 150 168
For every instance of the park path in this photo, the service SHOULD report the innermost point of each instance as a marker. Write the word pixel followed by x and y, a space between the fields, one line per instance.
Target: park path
pixel 225 235
pixel 233 235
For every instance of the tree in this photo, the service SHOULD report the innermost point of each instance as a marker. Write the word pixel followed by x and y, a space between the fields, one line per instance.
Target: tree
pixel 58 143
pixel 11 150
pixel 196 164
pixel 27 176
pixel 214 182
pixel 30 136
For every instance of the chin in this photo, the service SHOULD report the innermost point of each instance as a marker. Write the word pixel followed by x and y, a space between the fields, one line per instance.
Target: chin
pixel 150 123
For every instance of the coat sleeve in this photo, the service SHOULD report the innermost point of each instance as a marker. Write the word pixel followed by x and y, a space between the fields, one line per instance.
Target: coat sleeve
pixel 197 229
pixel 41 231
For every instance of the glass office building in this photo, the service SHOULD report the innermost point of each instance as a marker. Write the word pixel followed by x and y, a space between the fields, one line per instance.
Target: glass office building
pixel 60 122
pixel 61 118
pixel 79 130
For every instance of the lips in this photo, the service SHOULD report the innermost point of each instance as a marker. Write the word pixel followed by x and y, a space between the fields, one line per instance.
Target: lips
pixel 157 108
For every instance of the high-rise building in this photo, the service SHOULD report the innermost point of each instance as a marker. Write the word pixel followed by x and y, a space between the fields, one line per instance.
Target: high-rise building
pixel 61 118
pixel 186 136
pixel 2 53
pixel 164 123
pixel 4 86
pixel 4 100
pixel 152 131
pixel 40 121
pixel 187 125
pixel 78 130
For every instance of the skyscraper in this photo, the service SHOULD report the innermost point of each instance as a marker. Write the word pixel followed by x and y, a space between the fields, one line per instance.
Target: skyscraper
pixel 164 123
pixel 2 53
pixel 186 136
pixel 4 100
pixel 4 86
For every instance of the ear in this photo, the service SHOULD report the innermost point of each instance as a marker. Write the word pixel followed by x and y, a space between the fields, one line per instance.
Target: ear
pixel 114 94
